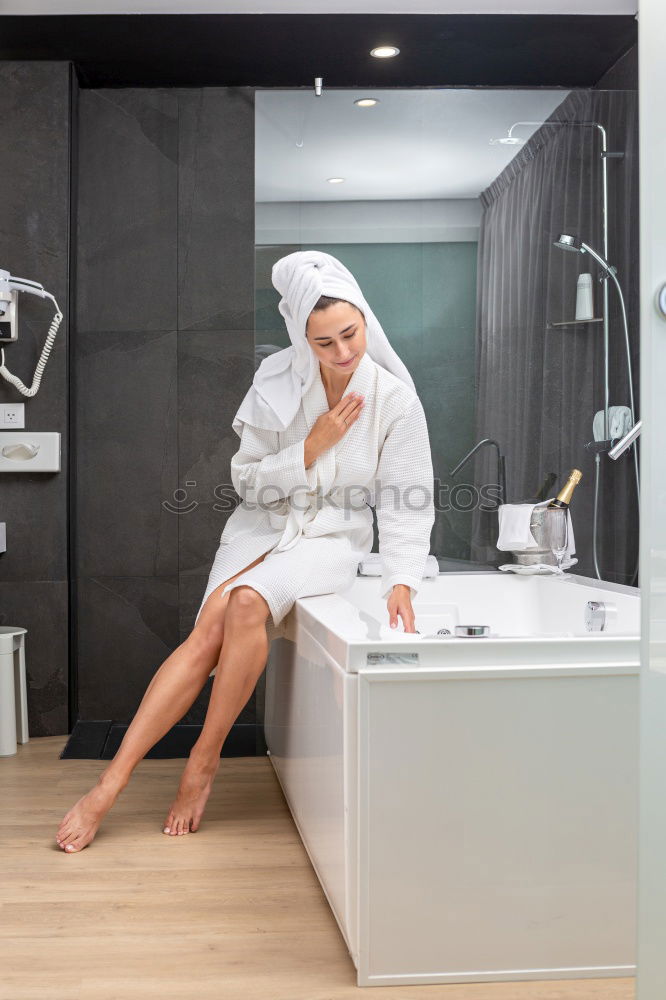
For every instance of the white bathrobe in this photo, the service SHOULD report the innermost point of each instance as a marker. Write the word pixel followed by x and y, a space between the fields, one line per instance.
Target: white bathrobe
pixel 316 522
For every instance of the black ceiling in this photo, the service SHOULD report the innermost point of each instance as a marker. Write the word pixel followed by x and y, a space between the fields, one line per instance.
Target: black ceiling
pixel 289 50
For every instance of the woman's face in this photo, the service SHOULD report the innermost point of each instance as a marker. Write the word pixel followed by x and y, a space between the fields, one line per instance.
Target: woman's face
pixel 337 335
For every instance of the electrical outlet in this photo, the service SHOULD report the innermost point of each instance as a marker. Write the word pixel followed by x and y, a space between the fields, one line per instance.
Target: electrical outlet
pixel 13 415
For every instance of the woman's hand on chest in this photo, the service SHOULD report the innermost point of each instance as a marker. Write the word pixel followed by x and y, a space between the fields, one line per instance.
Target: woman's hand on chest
pixel 330 427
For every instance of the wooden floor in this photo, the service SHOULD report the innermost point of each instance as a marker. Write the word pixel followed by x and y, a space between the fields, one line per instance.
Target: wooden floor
pixel 234 911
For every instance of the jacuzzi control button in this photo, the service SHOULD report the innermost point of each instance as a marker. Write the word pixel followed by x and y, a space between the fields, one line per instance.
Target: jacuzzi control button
pixel 472 631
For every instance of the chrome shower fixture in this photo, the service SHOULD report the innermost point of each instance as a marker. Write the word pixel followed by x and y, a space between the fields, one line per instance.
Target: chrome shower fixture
pixel 566 242
pixel 626 441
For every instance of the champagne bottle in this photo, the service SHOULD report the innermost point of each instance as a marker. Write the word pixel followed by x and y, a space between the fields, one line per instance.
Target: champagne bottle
pixel 563 498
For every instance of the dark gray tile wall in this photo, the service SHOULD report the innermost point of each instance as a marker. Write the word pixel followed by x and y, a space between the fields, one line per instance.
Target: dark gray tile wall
pixel 216 209
pixel 35 104
pixel 165 351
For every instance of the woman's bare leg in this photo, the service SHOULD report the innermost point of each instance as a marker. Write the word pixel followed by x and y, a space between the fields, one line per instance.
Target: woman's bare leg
pixel 242 659
pixel 171 692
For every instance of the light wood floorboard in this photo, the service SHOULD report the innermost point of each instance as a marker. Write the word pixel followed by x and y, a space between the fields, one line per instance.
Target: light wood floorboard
pixel 232 911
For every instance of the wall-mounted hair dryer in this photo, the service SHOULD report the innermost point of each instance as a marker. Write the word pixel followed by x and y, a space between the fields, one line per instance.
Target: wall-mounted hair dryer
pixel 9 286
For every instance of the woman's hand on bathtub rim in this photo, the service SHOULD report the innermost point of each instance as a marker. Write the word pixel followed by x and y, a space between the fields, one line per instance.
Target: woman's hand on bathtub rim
pixel 400 603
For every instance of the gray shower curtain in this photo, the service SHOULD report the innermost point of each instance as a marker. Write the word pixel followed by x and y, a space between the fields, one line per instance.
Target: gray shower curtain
pixel 537 389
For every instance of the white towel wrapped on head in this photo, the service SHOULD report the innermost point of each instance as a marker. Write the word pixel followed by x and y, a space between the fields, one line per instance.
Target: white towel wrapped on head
pixel 284 377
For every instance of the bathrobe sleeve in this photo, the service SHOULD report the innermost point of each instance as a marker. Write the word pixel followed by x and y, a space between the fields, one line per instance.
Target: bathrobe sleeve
pixel 262 472
pixel 404 500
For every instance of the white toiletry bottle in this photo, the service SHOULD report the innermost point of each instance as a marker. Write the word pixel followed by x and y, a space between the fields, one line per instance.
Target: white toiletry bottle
pixel 584 304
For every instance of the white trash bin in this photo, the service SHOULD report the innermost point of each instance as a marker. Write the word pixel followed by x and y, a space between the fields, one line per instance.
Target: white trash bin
pixel 13 690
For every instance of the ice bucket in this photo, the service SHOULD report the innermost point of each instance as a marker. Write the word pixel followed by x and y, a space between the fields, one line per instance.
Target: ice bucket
pixel 540 523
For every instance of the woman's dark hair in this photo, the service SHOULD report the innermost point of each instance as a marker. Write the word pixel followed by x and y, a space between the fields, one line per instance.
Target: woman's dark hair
pixel 324 301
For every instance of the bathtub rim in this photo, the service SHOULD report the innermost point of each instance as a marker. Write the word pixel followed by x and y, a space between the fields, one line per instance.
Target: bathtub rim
pixel 596 652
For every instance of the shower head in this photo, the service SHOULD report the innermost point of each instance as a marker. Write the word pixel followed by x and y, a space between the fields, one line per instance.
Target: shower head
pixel 565 242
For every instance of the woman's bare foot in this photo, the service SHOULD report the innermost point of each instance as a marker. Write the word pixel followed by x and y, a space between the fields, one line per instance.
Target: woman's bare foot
pixel 80 824
pixel 196 782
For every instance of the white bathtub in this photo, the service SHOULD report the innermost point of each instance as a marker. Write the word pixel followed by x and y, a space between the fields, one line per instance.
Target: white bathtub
pixel 468 804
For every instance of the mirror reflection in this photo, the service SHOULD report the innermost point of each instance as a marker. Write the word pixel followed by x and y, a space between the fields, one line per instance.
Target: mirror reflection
pixel 495 235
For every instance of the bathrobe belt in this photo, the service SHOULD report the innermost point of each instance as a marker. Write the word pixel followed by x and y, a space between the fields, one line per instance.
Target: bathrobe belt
pixel 293 513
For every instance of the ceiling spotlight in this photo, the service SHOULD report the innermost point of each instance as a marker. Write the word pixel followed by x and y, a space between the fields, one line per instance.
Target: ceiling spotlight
pixel 384 51
pixel 335 180
pixel 366 102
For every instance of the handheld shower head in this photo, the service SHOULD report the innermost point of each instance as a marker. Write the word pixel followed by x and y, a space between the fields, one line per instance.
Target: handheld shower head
pixel 565 242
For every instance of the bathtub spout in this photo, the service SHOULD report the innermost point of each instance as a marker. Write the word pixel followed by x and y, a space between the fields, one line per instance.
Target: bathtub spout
pixel 501 466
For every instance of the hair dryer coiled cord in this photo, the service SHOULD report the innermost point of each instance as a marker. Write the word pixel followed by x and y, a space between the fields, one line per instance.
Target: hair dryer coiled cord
pixel 43 358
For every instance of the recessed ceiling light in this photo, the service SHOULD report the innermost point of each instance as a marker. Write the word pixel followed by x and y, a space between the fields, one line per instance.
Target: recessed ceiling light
pixel 366 102
pixel 384 51
pixel 335 180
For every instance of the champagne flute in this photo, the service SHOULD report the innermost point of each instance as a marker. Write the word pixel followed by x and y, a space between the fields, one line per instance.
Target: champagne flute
pixel 559 534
